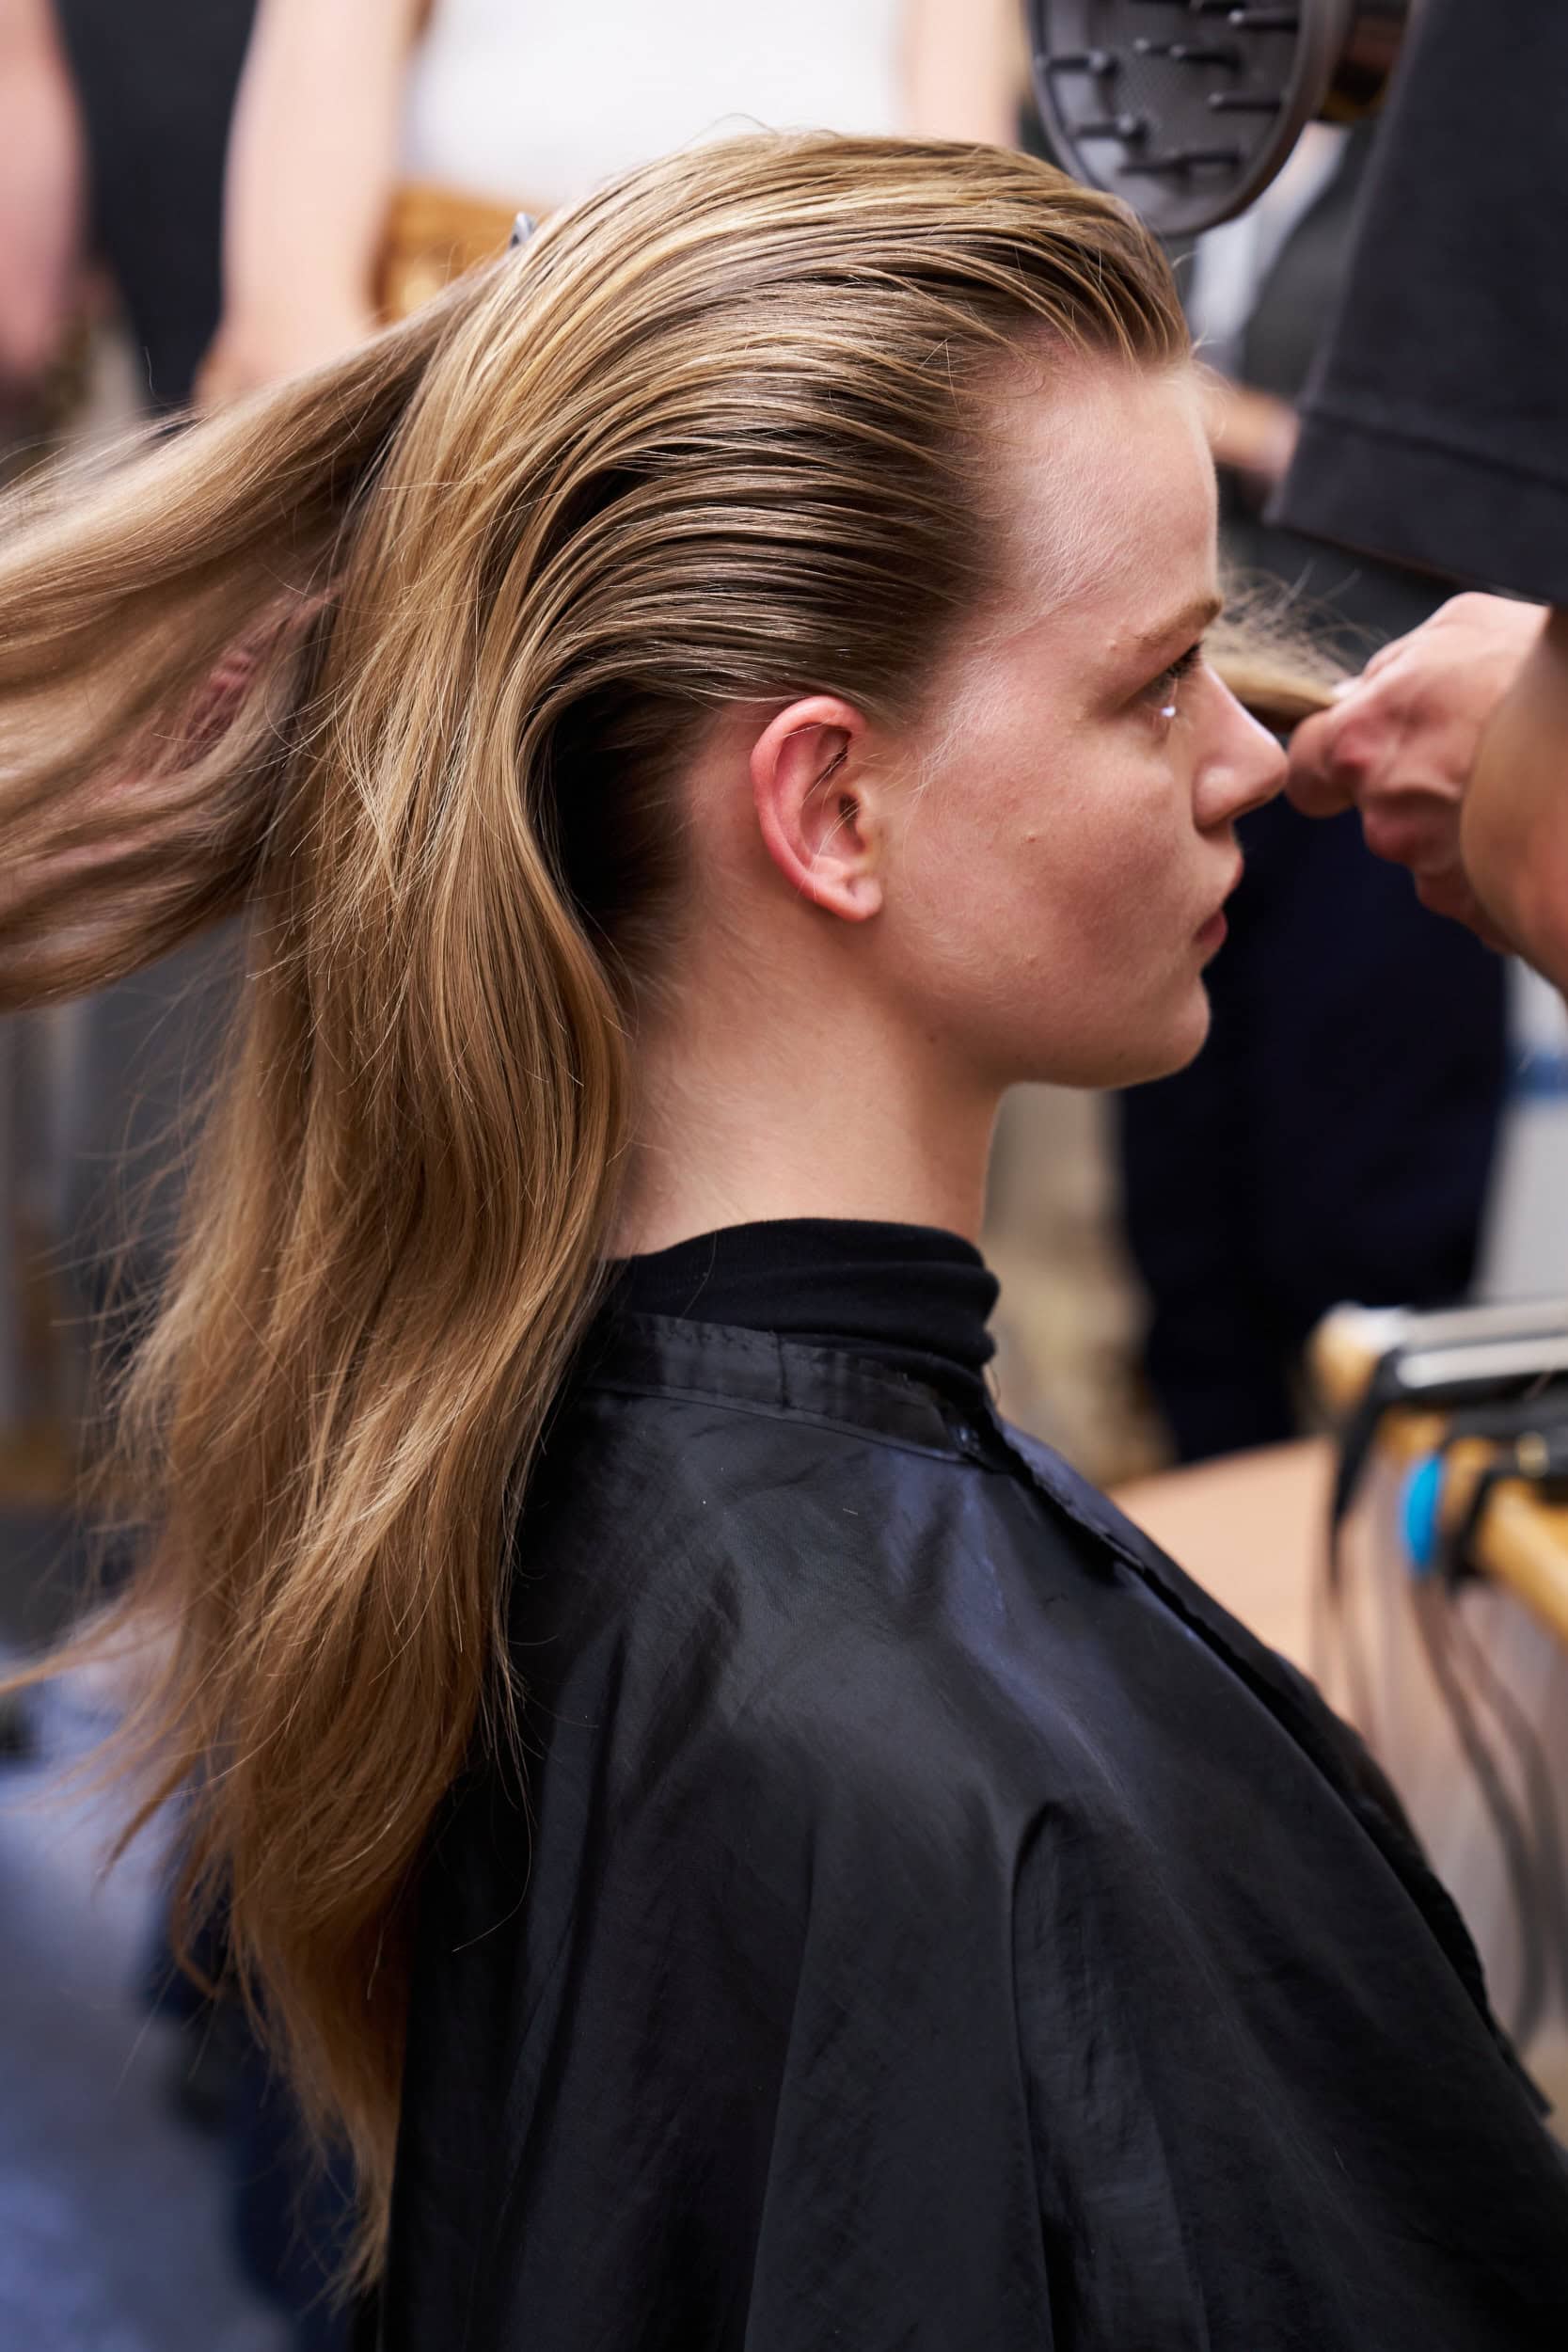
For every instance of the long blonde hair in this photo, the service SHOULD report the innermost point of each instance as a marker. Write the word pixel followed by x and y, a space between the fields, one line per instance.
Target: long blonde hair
pixel 403 659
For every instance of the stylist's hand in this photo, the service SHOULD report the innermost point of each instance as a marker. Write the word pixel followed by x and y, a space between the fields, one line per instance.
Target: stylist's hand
pixel 247 352
pixel 1401 742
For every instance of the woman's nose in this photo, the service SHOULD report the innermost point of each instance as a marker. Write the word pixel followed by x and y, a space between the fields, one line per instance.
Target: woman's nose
pixel 1245 767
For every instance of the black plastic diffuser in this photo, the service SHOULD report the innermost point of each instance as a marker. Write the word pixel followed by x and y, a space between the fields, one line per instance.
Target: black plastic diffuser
pixel 1187 108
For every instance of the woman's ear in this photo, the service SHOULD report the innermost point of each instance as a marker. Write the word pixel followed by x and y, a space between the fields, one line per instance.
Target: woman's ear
pixel 817 805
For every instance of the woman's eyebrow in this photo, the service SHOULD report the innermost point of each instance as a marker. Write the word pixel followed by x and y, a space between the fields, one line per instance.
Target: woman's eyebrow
pixel 1190 622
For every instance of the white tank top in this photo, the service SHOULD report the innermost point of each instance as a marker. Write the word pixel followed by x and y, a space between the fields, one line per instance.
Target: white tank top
pixel 536 102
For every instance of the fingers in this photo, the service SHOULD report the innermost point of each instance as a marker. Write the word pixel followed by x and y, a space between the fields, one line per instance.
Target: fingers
pixel 1450 894
pixel 1384 658
pixel 1319 781
pixel 1403 830
pixel 1399 743
pixel 1342 757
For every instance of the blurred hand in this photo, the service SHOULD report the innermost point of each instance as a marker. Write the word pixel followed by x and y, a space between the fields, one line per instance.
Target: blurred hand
pixel 1250 432
pixel 245 354
pixel 43 177
pixel 1401 744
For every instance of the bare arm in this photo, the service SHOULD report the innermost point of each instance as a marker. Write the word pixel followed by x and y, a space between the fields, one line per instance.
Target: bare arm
pixel 964 64
pixel 313 160
pixel 42 174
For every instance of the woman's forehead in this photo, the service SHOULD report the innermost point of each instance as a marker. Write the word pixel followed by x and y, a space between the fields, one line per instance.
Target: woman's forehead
pixel 1107 500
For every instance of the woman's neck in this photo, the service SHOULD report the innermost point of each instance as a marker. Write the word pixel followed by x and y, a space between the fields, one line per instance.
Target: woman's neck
pixel 830 1120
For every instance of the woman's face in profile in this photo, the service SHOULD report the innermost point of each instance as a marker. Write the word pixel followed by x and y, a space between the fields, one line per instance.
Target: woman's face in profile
pixel 1055 874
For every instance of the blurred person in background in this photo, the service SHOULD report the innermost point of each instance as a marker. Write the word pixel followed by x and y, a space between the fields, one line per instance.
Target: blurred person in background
pixel 112 174
pixel 378 140
pixel 154 82
pixel 150 90
pixel 114 125
pixel 1435 432
pixel 1335 1138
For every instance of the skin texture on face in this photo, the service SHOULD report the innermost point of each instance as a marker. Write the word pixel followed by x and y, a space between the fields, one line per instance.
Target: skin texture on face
pixel 888 928
pixel 1051 881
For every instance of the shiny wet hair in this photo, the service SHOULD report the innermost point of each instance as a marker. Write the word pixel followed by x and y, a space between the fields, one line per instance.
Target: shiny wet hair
pixel 404 661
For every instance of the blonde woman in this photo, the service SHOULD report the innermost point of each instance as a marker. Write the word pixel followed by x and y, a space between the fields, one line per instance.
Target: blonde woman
pixel 747 1849
pixel 378 142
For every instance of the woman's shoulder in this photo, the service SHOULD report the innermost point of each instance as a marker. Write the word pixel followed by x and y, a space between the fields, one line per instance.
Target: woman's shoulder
pixel 842 1623
pixel 795 1529
pixel 832 1578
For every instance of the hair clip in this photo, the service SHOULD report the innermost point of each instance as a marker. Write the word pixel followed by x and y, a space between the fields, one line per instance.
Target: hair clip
pixel 522 228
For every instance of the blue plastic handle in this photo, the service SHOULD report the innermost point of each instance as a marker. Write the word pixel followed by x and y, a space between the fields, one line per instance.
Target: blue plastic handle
pixel 1419 1518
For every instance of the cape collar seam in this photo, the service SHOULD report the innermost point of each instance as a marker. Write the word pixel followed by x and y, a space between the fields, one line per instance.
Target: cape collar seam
pixel 614 1384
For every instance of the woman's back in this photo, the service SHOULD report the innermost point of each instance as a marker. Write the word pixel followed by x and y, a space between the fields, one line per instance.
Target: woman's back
pixel 893 1947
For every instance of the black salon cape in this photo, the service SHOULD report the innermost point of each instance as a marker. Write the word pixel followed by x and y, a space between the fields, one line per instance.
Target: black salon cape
pixel 933 1926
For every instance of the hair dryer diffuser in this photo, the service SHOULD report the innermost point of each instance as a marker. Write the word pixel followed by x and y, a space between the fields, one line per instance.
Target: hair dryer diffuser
pixel 1188 107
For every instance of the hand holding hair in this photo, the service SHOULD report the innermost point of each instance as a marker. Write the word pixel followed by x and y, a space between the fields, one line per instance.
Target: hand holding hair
pixel 1401 742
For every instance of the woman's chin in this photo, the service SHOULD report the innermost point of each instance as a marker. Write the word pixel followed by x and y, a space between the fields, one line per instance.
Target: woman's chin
pixel 1198 1021
pixel 1159 1049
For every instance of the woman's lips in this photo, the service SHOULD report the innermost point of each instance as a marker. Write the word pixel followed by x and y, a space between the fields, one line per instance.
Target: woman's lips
pixel 1212 934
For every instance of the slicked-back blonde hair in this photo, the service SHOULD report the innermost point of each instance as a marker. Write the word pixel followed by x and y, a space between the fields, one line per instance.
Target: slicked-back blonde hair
pixel 405 660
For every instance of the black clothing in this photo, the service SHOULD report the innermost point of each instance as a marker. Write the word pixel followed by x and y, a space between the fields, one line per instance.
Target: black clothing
pixel 1334 1139
pixel 1288 329
pixel 155 83
pixel 1436 425
pixel 932 1923
pixel 910 1296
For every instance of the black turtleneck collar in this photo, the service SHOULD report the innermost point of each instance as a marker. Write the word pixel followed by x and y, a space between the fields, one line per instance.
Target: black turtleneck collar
pixel 912 1297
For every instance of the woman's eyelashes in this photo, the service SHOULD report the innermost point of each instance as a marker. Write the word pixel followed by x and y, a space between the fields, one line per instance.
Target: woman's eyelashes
pixel 1164 693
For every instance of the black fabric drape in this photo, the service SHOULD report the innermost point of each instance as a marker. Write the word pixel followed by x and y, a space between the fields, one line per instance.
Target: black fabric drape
pixel 930 1923
pixel 1433 428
